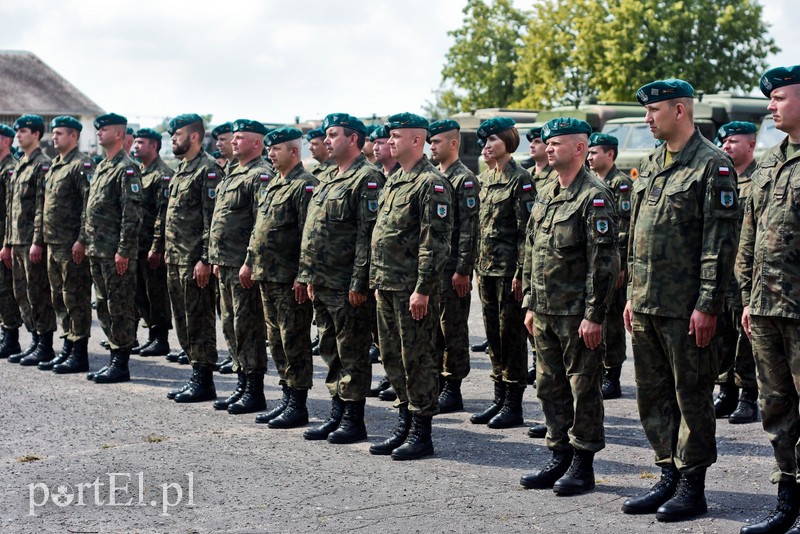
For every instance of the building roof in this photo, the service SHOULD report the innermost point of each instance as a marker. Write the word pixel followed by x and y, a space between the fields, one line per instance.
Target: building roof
pixel 29 85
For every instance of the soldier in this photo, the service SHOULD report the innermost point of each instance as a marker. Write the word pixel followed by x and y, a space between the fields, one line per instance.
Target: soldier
pixel 570 273
pixel 680 256
pixel 410 247
pixel 507 196
pixel 319 151
pixel 10 316
pixel 59 225
pixel 737 364
pixel 453 333
pixel 31 287
pixel 152 297
pixel 603 150
pixel 383 156
pixel 186 228
pixel 113 216
pixel 768 272
pixel 334 263
pixel 222 136
pixel 490 162
pixel 368 150
pixel 273 260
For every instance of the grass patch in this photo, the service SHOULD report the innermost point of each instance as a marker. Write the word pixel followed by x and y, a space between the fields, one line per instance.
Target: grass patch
pixel 648 474
pixel 154 438
pixel 30 458
pixel 107 446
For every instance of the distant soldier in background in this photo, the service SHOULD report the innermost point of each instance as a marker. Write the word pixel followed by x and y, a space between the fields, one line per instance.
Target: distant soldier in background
pixel 10 316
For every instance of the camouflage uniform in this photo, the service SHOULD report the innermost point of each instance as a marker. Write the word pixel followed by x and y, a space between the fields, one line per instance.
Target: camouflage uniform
pixel 231 226
pixel 9 310
pixel 507 198
pixel 323 168
pixel 453 334
pixel 680 256
pixel 334 257
pixel 31 287
pixel 113 216
pixel 59 224
pixel 570 272
pixel 543 177
pixel 186 226
pixel 410 247
pixel 768 270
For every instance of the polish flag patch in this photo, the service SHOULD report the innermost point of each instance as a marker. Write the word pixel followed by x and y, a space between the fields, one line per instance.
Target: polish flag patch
pixel 469 184
pixel 372 185
pixel 87 165
pixel 212 176
pixel 263 177
pixel 724 171
pixel 527 187
pixel 438 188
pixel 623 187
pixel 166 177
pixel 309 188
pixel 129 172
pixel 598 203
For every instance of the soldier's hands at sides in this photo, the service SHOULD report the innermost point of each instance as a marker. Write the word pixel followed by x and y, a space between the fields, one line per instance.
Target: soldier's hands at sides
pixel 78 252
pixel 310 291
pixel 5 256
pixel 746 321
pixel 702 325
pixel 246 277
pixel 529 317
pixel 461 284
pixel 591 333
pixel 215 270
pixel 301 292
pixel 516 288
pixel 35 253
pixel 621 279
pixel 418 305
pixel 356 298
pixel 627 316
pixel 121 263
pixel 201 274
pixel 153 259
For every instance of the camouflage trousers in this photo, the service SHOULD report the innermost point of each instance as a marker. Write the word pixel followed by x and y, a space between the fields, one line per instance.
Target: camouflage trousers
pixel 674 392
pixel 114 295
pixel 32 291
pixel 503 320
pixel 568 381
pixel 344 341
pixel 737 365
pixel 10 315
pixel 616 340
pixel 452 340
pixel 289 333
pixel 776 345
pixel 152 298
pixel 71 291
pixel 193 311
pixel 408 348
pixel 242 309
pixel 226 320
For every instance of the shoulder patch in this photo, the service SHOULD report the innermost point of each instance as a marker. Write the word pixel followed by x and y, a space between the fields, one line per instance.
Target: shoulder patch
pixel 440 189
pixel 372 185
pixel 45 168
pixel 129 172
pixel 372 205
pixel 135 188
pixel 724 171
pixel 264 177
pixel 212 176
pixel 212 193
pixel 527 187
pixel 166 178
pixel 309 188
pixel 471 202
pixel 727 199
pixel 469 184
pixel 599 203
pixel 441 210
pixel 623 187
pixel 87 165
pixel 602 225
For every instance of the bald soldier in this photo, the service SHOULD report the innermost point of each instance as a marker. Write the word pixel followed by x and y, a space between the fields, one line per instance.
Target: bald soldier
pixel 10 316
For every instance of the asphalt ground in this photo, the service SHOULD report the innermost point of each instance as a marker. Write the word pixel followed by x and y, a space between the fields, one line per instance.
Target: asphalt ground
pixel 82 457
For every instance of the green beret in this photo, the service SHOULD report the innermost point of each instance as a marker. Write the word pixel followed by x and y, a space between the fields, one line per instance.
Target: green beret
pixel 534 133
pixel 225 127
pixel 281 135
pixel 147 133
pixel 6 130
pixel 345 121
pixel 405 120
pixel 129 131
pixel 495 126
pixel 315 133
pixel 183 120
pixel 109 119
pixel 564 126
pixel 441 126
pixel 601 139
pixel 735 128
pixel 246 125
pixel 779 77
pixel 379 133
pixel 34 122
pixel 65 121
pixel 371 128
pixel 664 90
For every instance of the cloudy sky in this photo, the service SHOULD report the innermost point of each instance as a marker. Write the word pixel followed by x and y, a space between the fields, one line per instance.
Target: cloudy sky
pixel 269 60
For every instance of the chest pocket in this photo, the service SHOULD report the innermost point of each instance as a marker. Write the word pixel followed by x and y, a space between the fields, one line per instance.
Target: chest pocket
pixel 281 211
pixel 794 182
pixel 401 211
pixel 337 205
pixel 683 202
pixel 537 214
pixel 235 198
pixel 182 194
pixel 568 227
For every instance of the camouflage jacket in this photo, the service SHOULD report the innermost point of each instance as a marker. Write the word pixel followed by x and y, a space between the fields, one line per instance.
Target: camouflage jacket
pixel 411 241
pixel 733 295
pixel 60 214
pixel 621 187
pixel 155 196
pixel 323 168
pixel 274 250
pixel 464 240
pixel 23 193
pixel 235 213
pixel 192 190
pixel 682 240
pixel 768 264
pixel 113 211
pixel 571 258
pixel 336 237
pixel 542 178
pixel 506 202
pixel 6 172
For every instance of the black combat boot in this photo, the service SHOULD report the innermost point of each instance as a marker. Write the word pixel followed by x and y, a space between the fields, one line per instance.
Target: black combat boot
pixel 579 478
pixel 105 344
pixel 61 357
pixel 483 346
pixel 450 399
pixel 611 388
pixel 418 444
pixel 10 343
pixel 784 514
pixel 201 386
pixel 225 361
pixel 746 410
pixel 16 358
pixel 329 425
pixel 78 359
pixel 296 413
pixel 117 370
pixel 160 344
pixel 510 415
pixel 725 401
pixel 530 377
pixel 138 348
pixel 547 476
pixel 537 431
pixel 399 434
pixel 388 394
pixel 183 359
pixel 43 353
pixel 174 356
pixel 795 528
pixel 661 492
pixel 689 499
pixel 91 375
pixel 277 410
pixel 253 399
pixel 499 397
pixel 222 404
pixel 374 354
pixel 383 385
pixel 351 428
